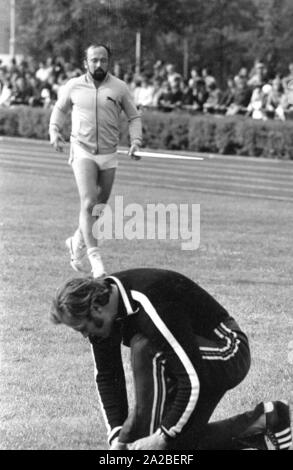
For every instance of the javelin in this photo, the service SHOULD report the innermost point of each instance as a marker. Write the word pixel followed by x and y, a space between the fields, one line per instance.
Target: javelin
pixel 170 156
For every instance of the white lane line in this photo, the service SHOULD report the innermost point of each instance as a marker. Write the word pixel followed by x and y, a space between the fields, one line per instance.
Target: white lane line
pixel 204 167
pixel 168 156
pixel 214 161
pixel 205 155
pixel 198 174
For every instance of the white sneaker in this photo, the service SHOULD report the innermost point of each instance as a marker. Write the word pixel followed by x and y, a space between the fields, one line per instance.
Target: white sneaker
pixel 79 260
pixel 95 259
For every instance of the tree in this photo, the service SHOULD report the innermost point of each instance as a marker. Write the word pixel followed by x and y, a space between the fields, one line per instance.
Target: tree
pixel 274 44
pixel 221 34
pixel 224 34
pixel 59 27
pixel 66 26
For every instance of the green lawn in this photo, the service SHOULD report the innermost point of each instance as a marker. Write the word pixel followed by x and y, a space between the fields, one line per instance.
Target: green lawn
pixel 47 376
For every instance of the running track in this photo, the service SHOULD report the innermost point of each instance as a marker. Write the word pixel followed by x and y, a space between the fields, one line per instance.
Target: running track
pixel 229 176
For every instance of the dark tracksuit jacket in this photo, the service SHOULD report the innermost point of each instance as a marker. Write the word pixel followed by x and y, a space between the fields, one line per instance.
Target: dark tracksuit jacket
pixel 172 312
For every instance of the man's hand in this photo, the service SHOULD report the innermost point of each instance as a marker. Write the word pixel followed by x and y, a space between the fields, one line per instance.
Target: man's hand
pixel 134 148
pixel 57 140
pixel 155 441
pixel 116 445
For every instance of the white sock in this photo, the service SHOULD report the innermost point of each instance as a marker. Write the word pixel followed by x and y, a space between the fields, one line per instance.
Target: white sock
pixel 268 407
pixel 96 262
pixel 94 250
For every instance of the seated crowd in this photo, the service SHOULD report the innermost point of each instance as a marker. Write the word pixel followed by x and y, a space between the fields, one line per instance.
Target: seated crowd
pixel 249 93
pixel 30 84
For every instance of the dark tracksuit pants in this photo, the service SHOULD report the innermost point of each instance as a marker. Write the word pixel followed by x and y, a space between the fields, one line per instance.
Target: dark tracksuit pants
pixel 220 370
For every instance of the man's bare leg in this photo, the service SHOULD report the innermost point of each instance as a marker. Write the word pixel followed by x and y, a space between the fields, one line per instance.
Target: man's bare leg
pixel 94 188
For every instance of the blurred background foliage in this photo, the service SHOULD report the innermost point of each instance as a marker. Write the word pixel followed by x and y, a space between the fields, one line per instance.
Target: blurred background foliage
pixel 221 34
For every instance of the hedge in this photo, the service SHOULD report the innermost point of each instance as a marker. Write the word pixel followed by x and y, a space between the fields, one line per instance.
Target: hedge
pixel 175 131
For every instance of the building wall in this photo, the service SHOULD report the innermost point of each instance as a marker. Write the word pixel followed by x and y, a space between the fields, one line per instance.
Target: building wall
pixel 4 26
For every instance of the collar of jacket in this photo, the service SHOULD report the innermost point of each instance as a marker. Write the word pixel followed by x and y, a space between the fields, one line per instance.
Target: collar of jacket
pixel 126 298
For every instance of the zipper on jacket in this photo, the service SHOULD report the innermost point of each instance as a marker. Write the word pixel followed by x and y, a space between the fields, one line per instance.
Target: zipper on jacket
pixel 97 132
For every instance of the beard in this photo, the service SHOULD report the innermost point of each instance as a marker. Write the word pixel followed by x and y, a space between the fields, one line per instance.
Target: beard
pixel 99 74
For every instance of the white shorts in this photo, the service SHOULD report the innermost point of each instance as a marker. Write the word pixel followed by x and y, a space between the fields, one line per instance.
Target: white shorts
pixel 104 162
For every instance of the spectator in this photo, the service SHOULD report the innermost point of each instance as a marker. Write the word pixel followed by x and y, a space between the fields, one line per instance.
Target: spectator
pixel 241 98
pixel 159 71
pixel 259 75
pixel 196 96
pixel 20 92
pixel 164 98
pixel 256 107
pixel 227 96
pixel 243 72
pixel 22 68
pixel 12 67
pixel 212 103
pixel 289 77
pixel 41 73
pixel 275 104
pixel 194 76
pixel 145 93
pixel 157 92
pixel 172 75
pixel 128 79
pixel 287 103
pixel 6 92
pixel 207 76
pixel 48 97
pixel 58 68
pixel 2 78
pixel 174 98
pixel 34 90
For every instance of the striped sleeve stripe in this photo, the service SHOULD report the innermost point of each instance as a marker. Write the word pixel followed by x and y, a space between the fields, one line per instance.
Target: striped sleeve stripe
pixel 226 352
pixel 114 433
pixel 285 439
pixel 226 334
pixel 99 396
pixel 159 393
pixel 282 433
pixel 184 359
pixel 123 293
pixel 231 347
pixel 285 446
pixel 163 393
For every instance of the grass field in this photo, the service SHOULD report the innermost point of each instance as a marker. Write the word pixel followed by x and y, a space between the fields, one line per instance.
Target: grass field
pixel 48 397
